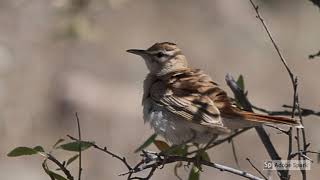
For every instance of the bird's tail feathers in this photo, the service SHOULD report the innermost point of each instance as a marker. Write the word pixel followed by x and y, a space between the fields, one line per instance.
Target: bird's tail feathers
pixel 271 119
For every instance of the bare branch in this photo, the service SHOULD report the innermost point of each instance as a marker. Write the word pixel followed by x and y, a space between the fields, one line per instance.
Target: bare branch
pixel 220 141
pixel 79 136
pixel 256 8
pixel 123 159
pixel 61 166
pixel 234 153
pixel 153 161
pixel 256 169
pixel 312 56
pixel 279 129
pixel 294 81
pixel 304 111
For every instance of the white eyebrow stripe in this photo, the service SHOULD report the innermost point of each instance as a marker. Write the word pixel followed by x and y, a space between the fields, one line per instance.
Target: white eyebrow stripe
pixel 169 53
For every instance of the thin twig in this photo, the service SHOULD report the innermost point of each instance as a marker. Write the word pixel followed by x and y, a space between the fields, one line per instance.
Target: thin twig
pixel 256 8
pixel 79 137
pixel 295 105
pixel 234 153
pixel 304 111
pixel 277 128
pixel 312 56
pixel 153 169
pixel 256 169
pixel 220 141
pixel 61 166
pixel 123 159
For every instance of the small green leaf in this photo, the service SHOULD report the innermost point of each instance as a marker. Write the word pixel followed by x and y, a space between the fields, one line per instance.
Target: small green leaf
pixel 194 173
pixel 240 82
pixel 180 150
pixel 57 143
pixel 161 145
pixel 204 155
pixel 23 151
pixel 38 149
pixel 146 143
pixel 73 158
pixel 74 146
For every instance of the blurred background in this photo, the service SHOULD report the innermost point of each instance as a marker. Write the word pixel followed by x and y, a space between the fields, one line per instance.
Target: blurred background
pixel 59 57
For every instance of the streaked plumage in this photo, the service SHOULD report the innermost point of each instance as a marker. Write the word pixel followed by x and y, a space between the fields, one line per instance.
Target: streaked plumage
pixel 183 104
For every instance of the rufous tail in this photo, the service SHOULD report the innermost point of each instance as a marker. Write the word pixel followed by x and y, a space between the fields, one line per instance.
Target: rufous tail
pixel 271 119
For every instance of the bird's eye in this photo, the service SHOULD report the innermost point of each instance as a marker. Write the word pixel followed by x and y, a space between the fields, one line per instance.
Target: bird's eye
pixel 160 54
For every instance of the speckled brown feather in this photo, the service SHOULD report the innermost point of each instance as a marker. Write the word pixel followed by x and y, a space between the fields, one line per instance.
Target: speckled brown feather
pixel 194 96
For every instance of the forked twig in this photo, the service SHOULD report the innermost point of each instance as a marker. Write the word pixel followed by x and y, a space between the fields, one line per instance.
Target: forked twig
pixel 294 81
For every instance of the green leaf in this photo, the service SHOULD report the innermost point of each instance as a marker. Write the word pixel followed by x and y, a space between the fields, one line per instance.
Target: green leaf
pixel 73 158
pixel 38 149
pixel 194 173
pixel 57 143
pixel 23 151
pixel 146 143
pixel 240 82
pixel 57 176
pixel 161 145
pixel 52 175
pixel 180 150
pixel 204 155
pixel 74 146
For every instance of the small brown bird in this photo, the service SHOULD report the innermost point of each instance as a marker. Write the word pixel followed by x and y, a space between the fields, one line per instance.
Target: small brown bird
pixel 185 105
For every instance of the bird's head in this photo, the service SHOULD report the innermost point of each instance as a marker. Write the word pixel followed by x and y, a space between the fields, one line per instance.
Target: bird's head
pixel 162 58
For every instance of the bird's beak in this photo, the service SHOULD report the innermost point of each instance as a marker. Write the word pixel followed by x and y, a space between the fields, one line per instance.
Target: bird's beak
pixel 139 52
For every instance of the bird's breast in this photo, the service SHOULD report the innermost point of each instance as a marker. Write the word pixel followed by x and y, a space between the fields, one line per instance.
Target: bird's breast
pixel 171 126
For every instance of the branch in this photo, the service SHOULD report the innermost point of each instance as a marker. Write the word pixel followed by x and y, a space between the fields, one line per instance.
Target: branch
pixel 312 56
pixel 239 94
pixel 304 111
pixel 294 81
pixel 61 166
pixel 123 159
pixel 155 161
pixel 170 159
pixel 79 136
pixel 256 8
pixel 256 169
pixel 220 141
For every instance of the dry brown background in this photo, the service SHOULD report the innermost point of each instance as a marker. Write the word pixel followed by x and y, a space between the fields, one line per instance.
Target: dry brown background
pixel 57 58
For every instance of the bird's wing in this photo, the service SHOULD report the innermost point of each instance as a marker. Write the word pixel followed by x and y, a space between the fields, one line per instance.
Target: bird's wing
pixel 191 95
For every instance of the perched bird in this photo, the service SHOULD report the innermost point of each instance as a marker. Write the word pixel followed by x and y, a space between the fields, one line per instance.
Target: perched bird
pixel 184 104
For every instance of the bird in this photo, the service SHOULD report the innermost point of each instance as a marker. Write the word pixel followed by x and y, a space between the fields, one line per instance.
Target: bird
pixel 183 104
